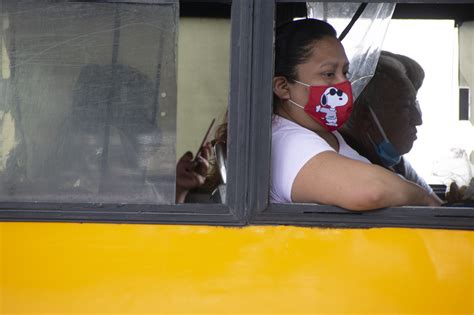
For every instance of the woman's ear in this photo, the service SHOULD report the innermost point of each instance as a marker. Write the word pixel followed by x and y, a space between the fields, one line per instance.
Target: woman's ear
pixel 280 88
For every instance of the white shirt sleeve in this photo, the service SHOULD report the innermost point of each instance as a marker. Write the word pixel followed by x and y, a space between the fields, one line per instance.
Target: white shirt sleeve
pixel 292 147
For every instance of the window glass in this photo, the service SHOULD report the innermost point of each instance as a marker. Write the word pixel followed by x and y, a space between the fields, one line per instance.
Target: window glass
pixel 388 115
pixel 444 150
pixel 203 89
pixel 88 102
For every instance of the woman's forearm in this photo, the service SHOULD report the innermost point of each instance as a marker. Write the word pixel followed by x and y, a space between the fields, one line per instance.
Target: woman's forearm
pixel 331 179
pixel 411 194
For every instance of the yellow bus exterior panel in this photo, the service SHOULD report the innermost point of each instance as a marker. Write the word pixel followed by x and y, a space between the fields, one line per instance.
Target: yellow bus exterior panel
pixel 125 268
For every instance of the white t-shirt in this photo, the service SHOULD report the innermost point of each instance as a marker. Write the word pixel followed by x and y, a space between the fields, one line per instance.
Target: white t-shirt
pixel 292 147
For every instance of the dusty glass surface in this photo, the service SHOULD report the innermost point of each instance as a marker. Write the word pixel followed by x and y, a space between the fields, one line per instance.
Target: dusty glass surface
pixel 88 102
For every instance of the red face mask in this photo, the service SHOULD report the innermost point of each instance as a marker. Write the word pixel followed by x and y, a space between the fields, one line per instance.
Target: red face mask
pixel 329 105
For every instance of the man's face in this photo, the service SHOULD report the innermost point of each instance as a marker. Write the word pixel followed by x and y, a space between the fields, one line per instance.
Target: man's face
pixel 399 115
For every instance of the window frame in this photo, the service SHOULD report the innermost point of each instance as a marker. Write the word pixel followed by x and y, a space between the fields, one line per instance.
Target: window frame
pixel 263 212
pixel 250 110
pixel 231 213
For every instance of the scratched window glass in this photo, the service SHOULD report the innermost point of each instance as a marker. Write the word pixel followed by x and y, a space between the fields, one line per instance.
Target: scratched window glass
pixel 88 102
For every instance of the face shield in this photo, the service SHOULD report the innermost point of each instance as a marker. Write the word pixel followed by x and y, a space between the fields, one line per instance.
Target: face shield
pixel 363 39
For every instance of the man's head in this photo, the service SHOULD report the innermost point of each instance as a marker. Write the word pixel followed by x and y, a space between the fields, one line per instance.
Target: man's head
pixel 392 95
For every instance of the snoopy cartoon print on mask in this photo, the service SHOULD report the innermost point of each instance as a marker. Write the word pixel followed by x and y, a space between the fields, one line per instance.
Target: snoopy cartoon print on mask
pixel 330 106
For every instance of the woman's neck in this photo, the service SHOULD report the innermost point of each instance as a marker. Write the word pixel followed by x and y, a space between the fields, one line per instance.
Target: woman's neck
pixel 302 119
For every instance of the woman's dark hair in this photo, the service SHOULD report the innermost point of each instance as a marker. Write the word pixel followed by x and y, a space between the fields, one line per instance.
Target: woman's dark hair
pixel 293 43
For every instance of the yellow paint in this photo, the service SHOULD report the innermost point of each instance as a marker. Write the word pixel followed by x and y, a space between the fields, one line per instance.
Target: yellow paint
pixel 113 268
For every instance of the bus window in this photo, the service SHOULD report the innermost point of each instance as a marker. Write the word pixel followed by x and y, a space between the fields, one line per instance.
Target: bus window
pixel 203 88
pixel 309 213
pixel 88 102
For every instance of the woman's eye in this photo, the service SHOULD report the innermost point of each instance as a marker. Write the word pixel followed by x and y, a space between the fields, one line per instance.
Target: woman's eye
pixel 329 74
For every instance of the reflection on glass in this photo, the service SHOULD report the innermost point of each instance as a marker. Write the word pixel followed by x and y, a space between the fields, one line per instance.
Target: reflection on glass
pixel 88 102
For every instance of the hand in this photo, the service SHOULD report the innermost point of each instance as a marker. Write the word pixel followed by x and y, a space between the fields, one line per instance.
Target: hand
pixel 455 193
pixel 191 174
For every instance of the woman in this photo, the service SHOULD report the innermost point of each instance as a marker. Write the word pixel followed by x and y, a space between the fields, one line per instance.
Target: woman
pixel 310 160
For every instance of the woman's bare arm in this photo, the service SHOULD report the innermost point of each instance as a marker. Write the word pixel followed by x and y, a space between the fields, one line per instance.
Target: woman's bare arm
pixel 332 179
